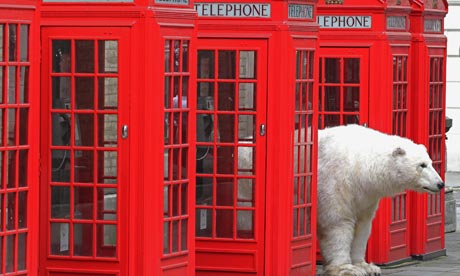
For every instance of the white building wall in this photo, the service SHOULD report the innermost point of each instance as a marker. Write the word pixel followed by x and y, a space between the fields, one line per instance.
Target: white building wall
pixel 452 31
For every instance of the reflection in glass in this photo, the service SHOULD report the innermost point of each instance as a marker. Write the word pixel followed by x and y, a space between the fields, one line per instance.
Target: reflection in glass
pixel 24 126
pixel 206 64
pixel 83 167
pixel 204 191
pixel 11 169
pixel 22 210
pixel 175 235
pixel 22 251
pixel 61 56
pixel 224 192
pixel 167 92
pixel 246 128
pixel 108 93
pixel 23 165
pixel 24 84
pixel 333 70
pixel 24 51
pixel 61 130
pixel 245 192
pixel 332 98
pixel 84 93
pixel 84 130
pixel 351 70
pixel 12 42
pixel 2 68
pixel 224 227
pixel 226 160
pixel 227 64
pixel 351 99
pixel 108 56
pixel 206 96
pixel 83 202
pixel 167 55
pixel 177 52
pixel 185 48
pixel 183 234
pixel 2 34
pixel 84 56
pixel 108 234
pixel 61 92
pixel 107 204
pixel 9 252
pixel 246 96
pixel 245 224
pixel 107 166
pixel 247 64
pixel 59 237
pixel 83 239
pixel 10 210
pixel 246 160
pixel 226 128
pixel 203 223
pixel 12 84
pixel 60 166
pixel 60 202
pixel 166 237
pixel 107 128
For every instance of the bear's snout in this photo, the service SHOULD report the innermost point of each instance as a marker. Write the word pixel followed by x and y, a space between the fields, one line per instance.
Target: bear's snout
pixel 440 185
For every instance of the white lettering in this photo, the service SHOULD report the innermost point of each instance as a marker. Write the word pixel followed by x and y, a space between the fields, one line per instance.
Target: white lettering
pixel 341 21
pixel 254 10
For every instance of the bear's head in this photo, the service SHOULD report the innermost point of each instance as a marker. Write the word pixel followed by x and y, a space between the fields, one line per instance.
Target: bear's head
pixel 415 170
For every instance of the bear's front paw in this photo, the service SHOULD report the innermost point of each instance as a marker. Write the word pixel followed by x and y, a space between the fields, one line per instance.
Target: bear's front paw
pixel 344 270
pixel 371 269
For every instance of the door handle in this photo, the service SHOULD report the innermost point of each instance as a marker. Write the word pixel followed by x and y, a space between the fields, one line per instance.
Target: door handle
pixel 124 131
pixel 262 130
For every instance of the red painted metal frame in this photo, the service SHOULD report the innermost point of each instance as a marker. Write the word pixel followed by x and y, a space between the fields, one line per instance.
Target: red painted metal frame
pixel 428 46
pixel 20 175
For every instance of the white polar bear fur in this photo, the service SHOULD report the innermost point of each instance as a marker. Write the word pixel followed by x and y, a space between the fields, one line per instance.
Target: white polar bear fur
pixel 357 167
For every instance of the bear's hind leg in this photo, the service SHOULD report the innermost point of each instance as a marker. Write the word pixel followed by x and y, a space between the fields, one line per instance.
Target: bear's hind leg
pixel 344 270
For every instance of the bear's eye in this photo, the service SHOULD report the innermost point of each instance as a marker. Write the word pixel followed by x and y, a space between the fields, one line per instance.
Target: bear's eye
pixel 423 165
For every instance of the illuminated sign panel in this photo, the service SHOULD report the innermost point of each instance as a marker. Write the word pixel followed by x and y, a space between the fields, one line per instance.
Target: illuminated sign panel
pixel 248 10
pixel 345 21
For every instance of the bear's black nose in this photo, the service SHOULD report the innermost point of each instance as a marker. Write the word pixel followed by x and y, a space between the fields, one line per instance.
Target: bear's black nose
pixel 440 185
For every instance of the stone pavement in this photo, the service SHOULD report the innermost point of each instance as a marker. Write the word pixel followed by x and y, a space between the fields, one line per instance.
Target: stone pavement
pixel 443 266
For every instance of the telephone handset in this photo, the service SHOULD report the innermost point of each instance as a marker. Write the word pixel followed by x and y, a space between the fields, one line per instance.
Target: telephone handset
pixel 204 126
pixel 61 127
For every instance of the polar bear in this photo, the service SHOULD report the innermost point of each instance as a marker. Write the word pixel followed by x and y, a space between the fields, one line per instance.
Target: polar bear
pixel 358 166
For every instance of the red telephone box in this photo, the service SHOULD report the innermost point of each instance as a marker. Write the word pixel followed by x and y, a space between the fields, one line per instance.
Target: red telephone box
pixel 116 138
pixel 369 75
pixel 255 201
pixel 18 136
pixel 429 49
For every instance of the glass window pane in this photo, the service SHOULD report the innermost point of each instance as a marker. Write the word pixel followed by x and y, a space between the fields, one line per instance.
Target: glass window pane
pixel 61 56
pixel 245 192
pixel 246 160
pixel 177 53
pixel 61 92
pixel 84 130
pixel 12 84
pixel 83 168
pixel 351 70
pixel 246 96
pixel 351 99
pixel 226 128
pixel 184 237
pixel 185 48
pixel 22 251
pixel 83 200
pixel 24 54
pixel 204 191
pixel 60 202
pixel 108 56
pixel 83 239
pixel 2 35
pixel 2 68
pixel 108 129
pixel 10 253
pixel 206 65
pixel 61 129
pixel 224 192
pixel 24 84
pixel 227 64
pixel 60 166
pixel 84 56
pixel 108 234
pixel 203 223
pixel 84 93
pixel 108 93
pixel 332 98
pixel 332 74
pixel 226 160
pixel 107 167
pixel 107 204
pixel 175 236
pixel 246 128
pixel 224 223
pixel 10 211
pixel 11 169
pixel 168 55
pixel 245 224
pixel 12 42
pixel 247 64
pixel 23 126
pixel 59 237
pixel 22 210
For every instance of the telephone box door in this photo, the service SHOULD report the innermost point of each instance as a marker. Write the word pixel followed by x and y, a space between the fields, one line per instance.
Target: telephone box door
pixel 84 149
pixel 343 86
pixel 230 170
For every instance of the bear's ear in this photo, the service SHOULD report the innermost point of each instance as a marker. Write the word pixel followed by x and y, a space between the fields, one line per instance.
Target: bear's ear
pixel 399 152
